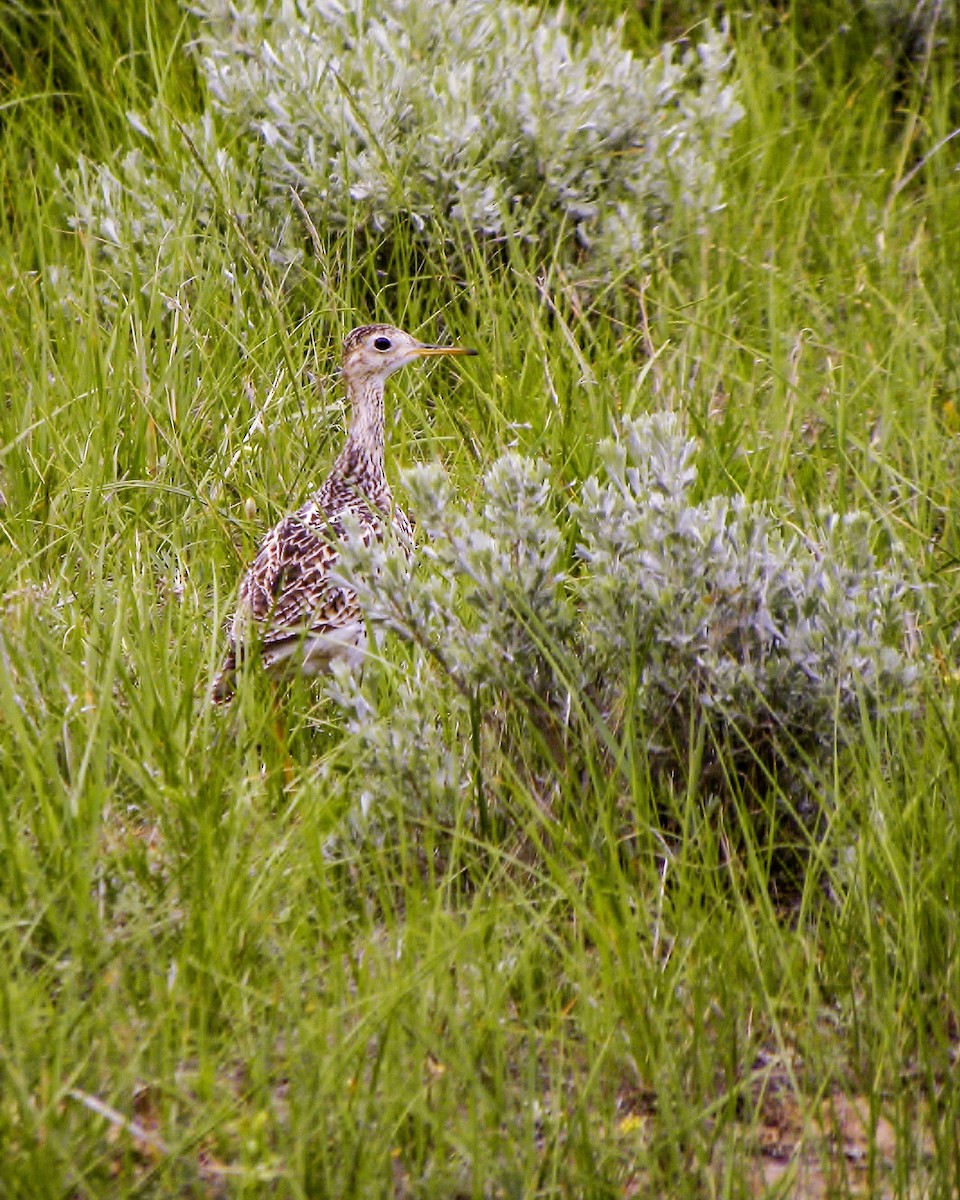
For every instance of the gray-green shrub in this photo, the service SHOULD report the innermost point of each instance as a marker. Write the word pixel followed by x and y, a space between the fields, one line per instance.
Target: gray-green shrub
pixel 673 613
pixel 489 124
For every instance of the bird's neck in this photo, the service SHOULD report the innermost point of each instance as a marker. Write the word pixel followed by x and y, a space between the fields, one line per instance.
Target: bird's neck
pixel 361 459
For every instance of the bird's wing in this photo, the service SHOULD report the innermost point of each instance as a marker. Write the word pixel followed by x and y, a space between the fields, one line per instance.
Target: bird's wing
pixel 288 588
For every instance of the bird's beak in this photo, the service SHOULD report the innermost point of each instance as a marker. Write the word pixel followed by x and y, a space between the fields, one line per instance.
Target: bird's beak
pixel 427 351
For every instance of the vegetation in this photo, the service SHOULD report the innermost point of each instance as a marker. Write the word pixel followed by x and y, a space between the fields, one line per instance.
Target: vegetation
pixel 247 952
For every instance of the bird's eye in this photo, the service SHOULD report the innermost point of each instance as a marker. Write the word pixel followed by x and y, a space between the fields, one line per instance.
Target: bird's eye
pixel 381 343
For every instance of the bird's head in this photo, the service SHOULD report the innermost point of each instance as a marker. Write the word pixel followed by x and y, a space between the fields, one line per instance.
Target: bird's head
pixel 373 352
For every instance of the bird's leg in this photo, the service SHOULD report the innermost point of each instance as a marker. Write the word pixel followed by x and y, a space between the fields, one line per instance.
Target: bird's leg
pixel 280 732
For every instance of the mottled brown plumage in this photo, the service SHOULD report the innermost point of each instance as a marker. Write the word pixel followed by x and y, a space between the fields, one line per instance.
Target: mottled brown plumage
pixel 290 608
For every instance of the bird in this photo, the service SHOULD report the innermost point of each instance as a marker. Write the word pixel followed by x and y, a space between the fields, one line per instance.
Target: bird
pixel 292 608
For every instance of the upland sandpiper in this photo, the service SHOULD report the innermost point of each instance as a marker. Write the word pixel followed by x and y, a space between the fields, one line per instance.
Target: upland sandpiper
pixel 291 609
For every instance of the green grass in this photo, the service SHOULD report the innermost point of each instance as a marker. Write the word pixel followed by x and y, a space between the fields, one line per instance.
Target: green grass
pixel 207 986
